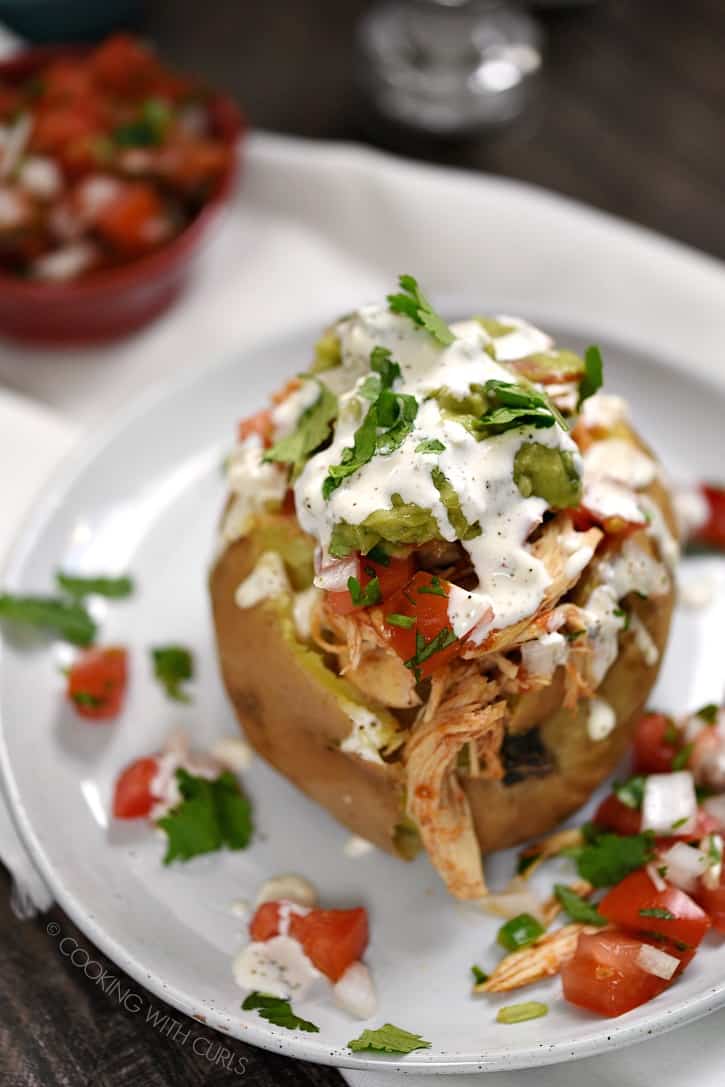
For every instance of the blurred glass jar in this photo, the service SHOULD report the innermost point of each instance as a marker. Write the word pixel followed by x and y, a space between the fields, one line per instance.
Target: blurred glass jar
pixel 448 67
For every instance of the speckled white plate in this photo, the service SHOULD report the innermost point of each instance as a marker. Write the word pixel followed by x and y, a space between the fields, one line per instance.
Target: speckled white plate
pixel 145 496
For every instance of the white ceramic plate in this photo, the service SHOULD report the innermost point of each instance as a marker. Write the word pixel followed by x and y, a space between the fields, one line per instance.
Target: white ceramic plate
pixel 145 497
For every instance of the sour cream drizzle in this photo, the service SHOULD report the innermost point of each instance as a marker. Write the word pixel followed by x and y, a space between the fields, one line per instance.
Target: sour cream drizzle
pixel 512 581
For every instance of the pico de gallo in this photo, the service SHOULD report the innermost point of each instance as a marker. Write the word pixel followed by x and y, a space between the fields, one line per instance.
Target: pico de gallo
pixel 655 844
pixel 104 156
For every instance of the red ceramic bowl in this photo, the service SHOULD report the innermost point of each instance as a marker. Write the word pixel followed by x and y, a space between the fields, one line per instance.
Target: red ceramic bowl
pixel 111 303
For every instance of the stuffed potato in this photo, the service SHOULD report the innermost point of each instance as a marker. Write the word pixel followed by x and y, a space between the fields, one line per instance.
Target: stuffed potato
pixel 444 581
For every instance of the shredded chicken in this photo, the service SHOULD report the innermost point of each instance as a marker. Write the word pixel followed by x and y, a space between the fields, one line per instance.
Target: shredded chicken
pixel 552 846
pixel 542 959
pixel 365 656
pixel 460 714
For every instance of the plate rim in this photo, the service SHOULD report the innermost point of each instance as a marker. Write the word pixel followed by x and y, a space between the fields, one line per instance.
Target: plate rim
pixel 69 471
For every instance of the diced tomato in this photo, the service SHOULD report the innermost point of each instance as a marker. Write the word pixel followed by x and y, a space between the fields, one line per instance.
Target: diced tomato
pixel 265 923
pixel 59 128
pixel 391 577
pixel 132 798
pixel 331 939
pixel 260 423
pixel 123 65
pixel 65 82
pixel 712 900
pixel 127 221
pixel 288 503
pixel 583 519
pixel 190 164
pixel 97 683
pixel 604 975
pixel 670 918
pixel 656 743
pixel 424 600
pixel 616 816
pixel 713 531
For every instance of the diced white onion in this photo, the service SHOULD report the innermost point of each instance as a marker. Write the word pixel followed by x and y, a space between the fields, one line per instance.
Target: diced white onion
pixel 234 753
pixel 656 962
pixel 669 803
pixel 289 887
pixel 685 865
pixel 712 846
pixel 512 902
pixel 658 882
pixel 334 576
pixel 65 263
pixel 41 177
pixel 355 992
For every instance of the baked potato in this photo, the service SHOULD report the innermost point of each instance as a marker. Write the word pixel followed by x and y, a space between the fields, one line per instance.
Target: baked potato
pixel 444 582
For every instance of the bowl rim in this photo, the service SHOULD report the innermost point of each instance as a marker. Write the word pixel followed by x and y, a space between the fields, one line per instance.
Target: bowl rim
pixel 22 64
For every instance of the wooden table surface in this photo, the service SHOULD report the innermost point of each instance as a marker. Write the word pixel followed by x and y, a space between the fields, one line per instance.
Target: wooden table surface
pixel 627 116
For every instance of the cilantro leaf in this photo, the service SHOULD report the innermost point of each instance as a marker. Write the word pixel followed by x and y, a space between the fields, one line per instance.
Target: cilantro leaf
pixel 630 792
pixel 424 650
pixel 608 858
pixel 709 713
pixel 577 907
pixel 480 976
pixel 681 759
pixel 364 598
pixel 430 445
pixel 593 374
pixel 66 618
pixel 278 1012
pixel 388 1039
pixel 112 587
pixel 211 814
pixel 512 406
pixel 659 912
pixel 413 303
pixel 404 622
pixel 148 129
pixel 312 430
pixel 390 412
pixel 172 665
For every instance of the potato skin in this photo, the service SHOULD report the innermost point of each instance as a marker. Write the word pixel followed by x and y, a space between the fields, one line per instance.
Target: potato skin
pixel 296 724
pixel 289 718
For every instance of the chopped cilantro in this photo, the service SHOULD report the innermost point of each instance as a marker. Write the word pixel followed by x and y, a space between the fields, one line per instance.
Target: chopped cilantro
pixel 148 129
pixel 390 413
pixel 430 445
pixel 608 858
pixel 364 598
pixel 172 665
pixel 519 932
pixel 85 698
pixel 211 814
pixel 113 587
pixel 312 430
pixel 424 650
pixel 679 822
pixel 66 618
pixel 278 1012
pixel 709 713
pixel 480 976
pixel 512 406
pixel 657 911
pixel 630 792
pixel 520 1013
pixel 671 736
pixel 593 374
pixel 379 555
pixel 388 1039
pixel 405 622
pixel 577 907
pixel 413 303
pixel 434 588
pixel 682 757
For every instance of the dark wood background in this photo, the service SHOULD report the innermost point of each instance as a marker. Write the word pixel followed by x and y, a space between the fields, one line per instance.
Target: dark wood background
pixel 628 116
